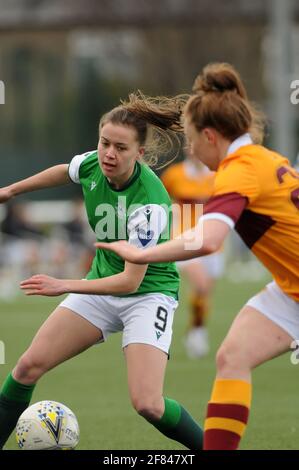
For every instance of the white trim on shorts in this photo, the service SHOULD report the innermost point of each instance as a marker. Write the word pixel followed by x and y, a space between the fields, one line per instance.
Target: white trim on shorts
pixel 278 307
pixel 145 319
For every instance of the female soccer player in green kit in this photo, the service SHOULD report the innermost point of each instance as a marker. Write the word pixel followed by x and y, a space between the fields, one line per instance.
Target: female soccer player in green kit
pixel 124 199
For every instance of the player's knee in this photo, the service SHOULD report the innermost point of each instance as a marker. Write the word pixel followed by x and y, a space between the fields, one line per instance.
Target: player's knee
pixel 148 407
pixel 229 359
pixel 28 369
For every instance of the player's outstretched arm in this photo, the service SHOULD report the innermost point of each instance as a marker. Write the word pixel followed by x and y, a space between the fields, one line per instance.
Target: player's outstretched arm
pixel 203 240
pixel 55 176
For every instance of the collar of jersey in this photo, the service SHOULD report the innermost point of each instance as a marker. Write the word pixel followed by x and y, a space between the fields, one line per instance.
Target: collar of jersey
pixel 244 142
pixel 241 141
pixel 131 180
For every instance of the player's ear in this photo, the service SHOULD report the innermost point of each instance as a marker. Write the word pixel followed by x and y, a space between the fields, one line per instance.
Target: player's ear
pixel 141 152
pixel 210 135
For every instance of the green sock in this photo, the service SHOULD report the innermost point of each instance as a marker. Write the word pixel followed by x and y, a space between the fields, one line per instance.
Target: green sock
pixel 14 399
pixel 177 424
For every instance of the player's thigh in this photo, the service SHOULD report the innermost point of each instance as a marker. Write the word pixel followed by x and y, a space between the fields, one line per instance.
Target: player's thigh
pixel 253 339
pixel 63 335
pixel 146 366
pixel 146 340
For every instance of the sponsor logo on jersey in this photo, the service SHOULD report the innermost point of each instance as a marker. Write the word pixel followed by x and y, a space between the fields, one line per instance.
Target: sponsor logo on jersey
pixel 158 334
pixel 148 212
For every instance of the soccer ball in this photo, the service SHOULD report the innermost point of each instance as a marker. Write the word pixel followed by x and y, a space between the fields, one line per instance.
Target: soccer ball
pixel 47 425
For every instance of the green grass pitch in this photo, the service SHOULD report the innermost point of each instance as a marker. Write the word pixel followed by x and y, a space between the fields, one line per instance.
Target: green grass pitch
pixel 94 385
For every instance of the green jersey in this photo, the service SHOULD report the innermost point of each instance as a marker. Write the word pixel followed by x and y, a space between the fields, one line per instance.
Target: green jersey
pixel 140 212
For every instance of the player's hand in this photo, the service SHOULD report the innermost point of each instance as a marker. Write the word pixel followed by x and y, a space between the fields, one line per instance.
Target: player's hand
pixel 5 194
pixel 40 284
pixel 123 249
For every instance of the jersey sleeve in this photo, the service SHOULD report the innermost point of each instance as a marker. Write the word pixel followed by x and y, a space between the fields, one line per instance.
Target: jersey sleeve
pixel 146 225
pixel 236 187
pixel 74 166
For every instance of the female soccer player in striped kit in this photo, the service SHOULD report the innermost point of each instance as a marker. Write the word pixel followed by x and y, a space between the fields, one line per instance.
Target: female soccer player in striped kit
pixel 256 191
pixel 124 199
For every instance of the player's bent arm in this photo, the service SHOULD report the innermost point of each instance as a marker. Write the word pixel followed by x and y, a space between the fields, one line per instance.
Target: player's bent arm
pixel 126 282
pixel 54 176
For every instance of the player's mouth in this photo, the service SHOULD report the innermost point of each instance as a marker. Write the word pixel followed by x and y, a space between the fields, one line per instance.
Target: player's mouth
pixel 108 166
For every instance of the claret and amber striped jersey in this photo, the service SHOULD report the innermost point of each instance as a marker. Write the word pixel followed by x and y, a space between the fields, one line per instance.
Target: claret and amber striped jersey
pixel 189 187
pixel 256 191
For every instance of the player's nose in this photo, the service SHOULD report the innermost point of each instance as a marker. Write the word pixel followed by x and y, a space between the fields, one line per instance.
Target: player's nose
pixel 110 153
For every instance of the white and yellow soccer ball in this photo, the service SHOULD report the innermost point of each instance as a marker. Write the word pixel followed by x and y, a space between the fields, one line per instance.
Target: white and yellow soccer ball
pixel 47 425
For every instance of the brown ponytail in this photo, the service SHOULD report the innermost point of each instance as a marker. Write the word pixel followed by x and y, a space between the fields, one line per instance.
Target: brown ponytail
pixel 220 101
pixel 157 122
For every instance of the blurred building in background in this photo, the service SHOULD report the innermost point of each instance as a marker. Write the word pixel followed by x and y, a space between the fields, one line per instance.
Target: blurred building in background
pixel 66 63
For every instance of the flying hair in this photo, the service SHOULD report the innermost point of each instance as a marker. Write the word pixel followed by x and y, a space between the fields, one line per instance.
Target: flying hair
pixel 158 124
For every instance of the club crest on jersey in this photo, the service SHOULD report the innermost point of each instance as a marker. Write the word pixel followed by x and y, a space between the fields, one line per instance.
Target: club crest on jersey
pixel 145 236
